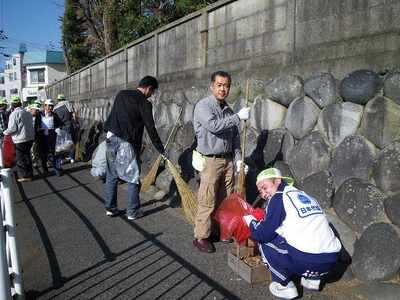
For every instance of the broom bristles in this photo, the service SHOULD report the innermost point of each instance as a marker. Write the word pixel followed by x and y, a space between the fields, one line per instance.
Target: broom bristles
pixel 189 201
pixel 151 176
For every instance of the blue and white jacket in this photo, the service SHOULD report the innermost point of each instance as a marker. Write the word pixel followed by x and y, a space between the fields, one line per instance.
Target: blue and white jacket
pixel 296 225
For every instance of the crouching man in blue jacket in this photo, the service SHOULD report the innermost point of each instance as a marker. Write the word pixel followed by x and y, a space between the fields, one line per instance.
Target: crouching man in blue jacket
pixel 294 238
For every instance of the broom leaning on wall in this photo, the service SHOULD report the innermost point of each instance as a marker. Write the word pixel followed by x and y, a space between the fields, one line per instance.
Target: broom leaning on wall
pixel 151 176
pixel 188 198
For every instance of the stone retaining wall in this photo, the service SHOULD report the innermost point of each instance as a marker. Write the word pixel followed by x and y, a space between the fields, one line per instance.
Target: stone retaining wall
pixel 339 139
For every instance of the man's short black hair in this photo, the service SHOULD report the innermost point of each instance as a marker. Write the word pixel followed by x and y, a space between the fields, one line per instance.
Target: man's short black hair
pixel 148 81
pixel 222 74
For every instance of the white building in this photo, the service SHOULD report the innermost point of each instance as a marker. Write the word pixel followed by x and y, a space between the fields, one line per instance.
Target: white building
pixel 42 68
pixel 11 79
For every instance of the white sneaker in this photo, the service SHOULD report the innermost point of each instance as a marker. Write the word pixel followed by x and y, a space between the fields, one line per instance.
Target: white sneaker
pixel 310 284
pixel 284 292
pixel 112 212
pixel 137 215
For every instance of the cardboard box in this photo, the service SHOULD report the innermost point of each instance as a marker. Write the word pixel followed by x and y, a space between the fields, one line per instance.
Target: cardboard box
pixel 251 269
pixel 245 251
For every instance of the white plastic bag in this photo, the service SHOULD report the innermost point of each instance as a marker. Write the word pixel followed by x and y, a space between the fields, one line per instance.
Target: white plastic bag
pixel 99 161
pixel 126 164
pixel 198 161
pixel 64 141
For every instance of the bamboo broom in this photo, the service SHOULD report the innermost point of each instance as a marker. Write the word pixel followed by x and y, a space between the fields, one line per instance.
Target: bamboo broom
pixel 241 186
pixel 151 176
pixel 189 202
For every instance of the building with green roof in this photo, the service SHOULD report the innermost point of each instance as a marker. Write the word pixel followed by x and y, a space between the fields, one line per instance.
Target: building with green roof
pixel 42 68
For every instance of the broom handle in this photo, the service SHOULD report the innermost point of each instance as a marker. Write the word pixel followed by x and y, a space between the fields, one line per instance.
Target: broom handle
pixel 245 127
pixel 173 129
pixel 241 182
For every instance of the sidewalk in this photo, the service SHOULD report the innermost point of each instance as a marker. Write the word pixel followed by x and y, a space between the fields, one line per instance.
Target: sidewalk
pixel 70 250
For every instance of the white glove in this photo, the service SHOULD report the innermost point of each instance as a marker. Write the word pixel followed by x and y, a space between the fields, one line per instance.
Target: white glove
pixel 244 113
pixel 58 130
pixel 239 165
pixel 247 219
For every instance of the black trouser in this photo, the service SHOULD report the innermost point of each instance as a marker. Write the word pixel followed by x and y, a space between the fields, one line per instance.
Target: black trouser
pixel 47 149
pixel 24 160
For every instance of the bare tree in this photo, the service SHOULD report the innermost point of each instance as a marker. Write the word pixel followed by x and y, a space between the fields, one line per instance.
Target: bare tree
pixel 110 16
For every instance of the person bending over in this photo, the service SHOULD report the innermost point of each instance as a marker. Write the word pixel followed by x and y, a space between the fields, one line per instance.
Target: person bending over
pixel 294 238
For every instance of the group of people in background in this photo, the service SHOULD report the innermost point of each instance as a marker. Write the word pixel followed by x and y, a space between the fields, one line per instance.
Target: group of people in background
pixel 34 131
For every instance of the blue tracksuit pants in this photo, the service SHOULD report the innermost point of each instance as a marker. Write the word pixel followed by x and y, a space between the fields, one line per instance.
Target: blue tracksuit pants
pixel 283 266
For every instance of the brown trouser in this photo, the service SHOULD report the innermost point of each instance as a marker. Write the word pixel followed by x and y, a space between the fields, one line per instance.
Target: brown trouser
pixel 216 182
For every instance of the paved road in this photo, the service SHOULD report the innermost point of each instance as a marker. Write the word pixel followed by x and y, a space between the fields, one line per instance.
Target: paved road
pixel 70 250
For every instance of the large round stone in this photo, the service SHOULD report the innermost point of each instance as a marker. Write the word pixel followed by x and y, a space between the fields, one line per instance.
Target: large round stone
pixel 387 170
pixel 353 158
pixel 284 168
pixel 164 180
pixel 173 113
pixel 255 144
pixel 194 94
pixel 381 121
pixel 179 97
pixel 377 253
pixel 309 156
pixel 273 146
pixel 163 133
pixel 266 114
pixel 359 204
pixel 257 87
pixel 301 117
pixel 284 89
pixel 360 86
pixel 167 97
pixel 174 153
pixel 336 121
pixel 235 93
pixel 321 88
pixel 148 157
pixel 185 136
pixel 287 145
pixel 161 115
pixel 320 187
pixel 239 104
pixel 187 114
pixel 345 234
pixel 392 208
pixel 391 87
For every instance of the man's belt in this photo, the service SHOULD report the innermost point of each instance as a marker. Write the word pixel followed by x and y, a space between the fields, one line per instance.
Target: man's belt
pixel 220 155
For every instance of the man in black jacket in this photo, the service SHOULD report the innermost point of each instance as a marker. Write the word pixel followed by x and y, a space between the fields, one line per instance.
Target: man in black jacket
pixel 129 115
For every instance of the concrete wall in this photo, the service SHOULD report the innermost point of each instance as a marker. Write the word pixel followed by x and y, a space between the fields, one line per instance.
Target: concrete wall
pixel 55 73
pixel 258 37
pixel 347 34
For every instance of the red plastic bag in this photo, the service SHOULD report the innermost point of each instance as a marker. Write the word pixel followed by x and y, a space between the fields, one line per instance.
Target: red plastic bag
pixel 8 152
pixel 230 214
